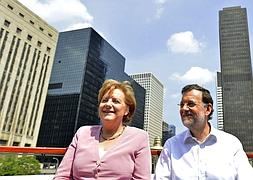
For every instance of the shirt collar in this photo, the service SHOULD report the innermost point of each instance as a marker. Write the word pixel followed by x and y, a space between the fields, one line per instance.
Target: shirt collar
pixel 189 138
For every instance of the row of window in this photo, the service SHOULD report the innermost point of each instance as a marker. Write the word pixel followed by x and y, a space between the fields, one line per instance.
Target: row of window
pixel 26 53
pixel 31 22
pixel 29 37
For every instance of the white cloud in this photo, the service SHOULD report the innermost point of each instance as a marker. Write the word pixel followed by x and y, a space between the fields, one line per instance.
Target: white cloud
pixel 160 1
pixel 195 75
pixel 68 12
pixel 160 6
pixel 184 42
pixel 77 26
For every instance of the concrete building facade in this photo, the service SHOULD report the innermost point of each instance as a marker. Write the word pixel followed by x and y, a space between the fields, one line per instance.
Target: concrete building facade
pixel 153 104
pixel 27 48
pixel 236 74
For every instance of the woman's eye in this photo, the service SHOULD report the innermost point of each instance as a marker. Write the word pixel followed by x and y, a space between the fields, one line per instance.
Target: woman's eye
pixel 104 100
pixel 116 101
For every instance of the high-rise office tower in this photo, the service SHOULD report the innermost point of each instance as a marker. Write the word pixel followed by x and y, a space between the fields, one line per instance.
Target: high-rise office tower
pixel 153 104
pixel 236 74
pixel 27 48
pixel 165 133
pixel 83 61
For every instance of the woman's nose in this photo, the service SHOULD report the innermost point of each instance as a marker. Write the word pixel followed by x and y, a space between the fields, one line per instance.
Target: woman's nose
pixel 108 103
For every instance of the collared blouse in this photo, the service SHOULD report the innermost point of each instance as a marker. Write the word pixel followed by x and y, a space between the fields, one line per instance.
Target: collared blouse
pixel 129 158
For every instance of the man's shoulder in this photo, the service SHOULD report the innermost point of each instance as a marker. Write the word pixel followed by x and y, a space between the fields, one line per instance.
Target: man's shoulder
pixel 225 136
pixel 178 138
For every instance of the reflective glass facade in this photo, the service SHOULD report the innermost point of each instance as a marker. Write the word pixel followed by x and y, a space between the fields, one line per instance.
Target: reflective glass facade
pixel 236 74
pixel 83 61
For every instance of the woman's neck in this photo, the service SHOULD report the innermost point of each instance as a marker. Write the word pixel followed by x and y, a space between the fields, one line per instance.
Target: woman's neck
pixel 110 132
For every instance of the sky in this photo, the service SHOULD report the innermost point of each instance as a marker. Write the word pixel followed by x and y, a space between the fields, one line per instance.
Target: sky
pixel 176 40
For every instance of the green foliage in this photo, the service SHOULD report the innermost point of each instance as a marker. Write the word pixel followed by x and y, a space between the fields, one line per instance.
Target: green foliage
pixel 19 165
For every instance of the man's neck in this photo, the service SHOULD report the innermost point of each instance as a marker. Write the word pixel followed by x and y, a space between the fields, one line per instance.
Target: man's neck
pixel 201 134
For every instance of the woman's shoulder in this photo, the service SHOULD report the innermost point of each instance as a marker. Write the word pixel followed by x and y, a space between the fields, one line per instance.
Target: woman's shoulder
pixel 134 130
pixel 88 129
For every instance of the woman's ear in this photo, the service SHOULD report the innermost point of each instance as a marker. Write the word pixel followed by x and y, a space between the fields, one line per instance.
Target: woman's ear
pixel 127 111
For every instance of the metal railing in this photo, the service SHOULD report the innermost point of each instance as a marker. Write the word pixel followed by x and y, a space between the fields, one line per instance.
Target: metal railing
pixel 50 157
pixel 52 151
pixel 45 150
pixel 61 151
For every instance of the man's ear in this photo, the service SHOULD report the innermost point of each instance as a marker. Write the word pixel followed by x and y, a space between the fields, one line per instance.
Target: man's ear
pixel 209 108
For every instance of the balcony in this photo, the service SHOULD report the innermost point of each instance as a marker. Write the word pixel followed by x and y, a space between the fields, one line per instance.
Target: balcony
pixel 48 168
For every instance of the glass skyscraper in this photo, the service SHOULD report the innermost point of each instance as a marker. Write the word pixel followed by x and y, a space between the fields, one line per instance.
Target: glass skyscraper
pixel 83 61
pixel 236 74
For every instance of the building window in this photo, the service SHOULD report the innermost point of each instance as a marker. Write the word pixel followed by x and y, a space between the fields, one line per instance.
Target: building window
pixel 31 22
pixel 3 142
pixel 55 86
pixel 50 35
pixel 22 15
pixel 48 49
pixel 41 29
pixel 15 143
pixel 7 23
pixel 39 44
pixel 18 30
pixel 10 7
pixel 29 37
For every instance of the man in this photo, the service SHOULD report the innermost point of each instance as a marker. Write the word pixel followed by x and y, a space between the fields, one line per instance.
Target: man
pixel 201 152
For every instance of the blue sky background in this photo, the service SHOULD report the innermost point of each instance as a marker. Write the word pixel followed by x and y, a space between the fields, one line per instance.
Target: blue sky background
pixel 176 40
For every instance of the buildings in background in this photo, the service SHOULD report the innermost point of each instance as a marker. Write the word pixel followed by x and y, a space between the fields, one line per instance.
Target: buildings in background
pixel 153 117
pixel 236 74
pixel 165 132
pixel 219 102
pixel 27 48
pixel 168 131
pixel 172 130
pixel 82 62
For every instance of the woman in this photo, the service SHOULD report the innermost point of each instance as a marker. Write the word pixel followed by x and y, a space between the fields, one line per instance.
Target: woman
pixel 112 150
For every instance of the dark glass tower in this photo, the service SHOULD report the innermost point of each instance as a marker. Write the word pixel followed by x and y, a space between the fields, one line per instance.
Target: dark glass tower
pixel 236 74
pixel 83 61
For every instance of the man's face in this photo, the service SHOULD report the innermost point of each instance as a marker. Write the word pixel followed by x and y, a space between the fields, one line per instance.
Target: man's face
pixel 194 113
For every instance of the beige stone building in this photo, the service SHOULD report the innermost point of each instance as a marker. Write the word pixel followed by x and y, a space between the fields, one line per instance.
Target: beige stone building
pixel 153 116
pixel 27 48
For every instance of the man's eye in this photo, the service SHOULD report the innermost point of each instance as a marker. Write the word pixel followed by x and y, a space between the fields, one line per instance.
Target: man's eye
pixel 191 104
pixel 181 105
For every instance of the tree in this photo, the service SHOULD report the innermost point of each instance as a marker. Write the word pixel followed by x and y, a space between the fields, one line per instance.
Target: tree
pixel 15 165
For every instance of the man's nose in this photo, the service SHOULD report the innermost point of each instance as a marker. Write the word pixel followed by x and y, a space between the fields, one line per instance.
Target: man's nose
pixel 184 106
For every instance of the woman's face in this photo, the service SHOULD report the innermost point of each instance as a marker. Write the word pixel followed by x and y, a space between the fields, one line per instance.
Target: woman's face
pixel 112 106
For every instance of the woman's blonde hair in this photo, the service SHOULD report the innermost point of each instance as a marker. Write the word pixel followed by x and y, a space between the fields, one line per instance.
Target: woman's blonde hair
pixel 126 88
